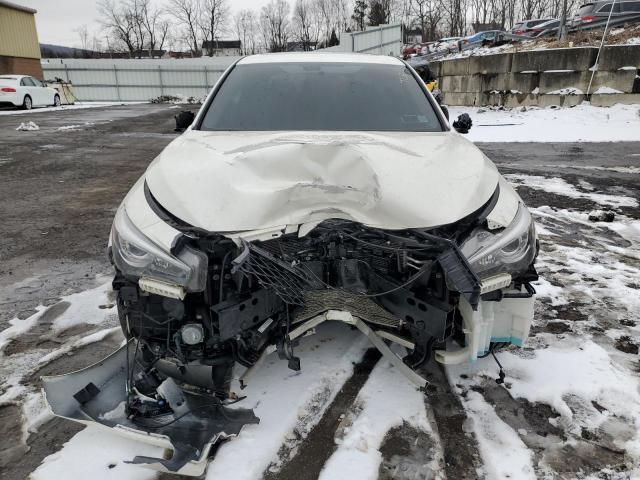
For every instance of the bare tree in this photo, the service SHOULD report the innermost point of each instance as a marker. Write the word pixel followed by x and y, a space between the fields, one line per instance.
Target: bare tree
pixel 245 29
pixel 527 8
pixel 187 14
pixel 342 9
pixel 154 24
pixel 274 24
pixel 83 34
pixel 214 15
pixel 306 24
pixel 419 9
pixel 379 11
pixel 119 25
pixel 360 14
pixel 326 18
pixel 454 14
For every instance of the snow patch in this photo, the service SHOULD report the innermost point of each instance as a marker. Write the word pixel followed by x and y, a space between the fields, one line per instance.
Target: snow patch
pixel 387 399
pixel 28 126
pixel 98 454
pixel 327 362
pixel 567 90
pixel 504 454
pixel 75 127
pixel 606 91
pixel 76 106
pixel 583 123
pixel 559 186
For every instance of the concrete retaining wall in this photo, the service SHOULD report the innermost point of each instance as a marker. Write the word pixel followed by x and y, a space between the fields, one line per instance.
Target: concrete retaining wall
pixel 541 77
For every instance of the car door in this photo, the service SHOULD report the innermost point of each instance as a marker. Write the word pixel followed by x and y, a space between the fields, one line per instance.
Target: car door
pixel 44 96
pixel 28 88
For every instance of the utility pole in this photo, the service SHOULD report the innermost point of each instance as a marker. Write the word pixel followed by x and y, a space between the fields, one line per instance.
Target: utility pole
pixel 562 29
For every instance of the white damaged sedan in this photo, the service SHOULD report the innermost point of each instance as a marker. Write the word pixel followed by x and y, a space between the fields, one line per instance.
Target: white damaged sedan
pixel 309 188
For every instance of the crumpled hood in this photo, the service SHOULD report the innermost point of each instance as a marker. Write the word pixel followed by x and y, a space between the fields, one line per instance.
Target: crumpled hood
pixel 231 182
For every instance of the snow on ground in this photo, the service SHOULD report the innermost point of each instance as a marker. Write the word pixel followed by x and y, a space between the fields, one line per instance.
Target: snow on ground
pixel 91 307
pixel 386 400
pixel 76 127
pixel 580 361
pixel 583 123
pixel 97 454
pixel 560 186
pixel 503 453
pixel 62 108
pixel 287 401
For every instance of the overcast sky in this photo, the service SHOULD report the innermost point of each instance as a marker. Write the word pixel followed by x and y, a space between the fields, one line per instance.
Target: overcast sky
pixel 58 20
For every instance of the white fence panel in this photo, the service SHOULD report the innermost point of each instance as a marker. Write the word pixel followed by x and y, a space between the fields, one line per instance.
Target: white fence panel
pixel 146 79
pixel 380 40
pixel 138 79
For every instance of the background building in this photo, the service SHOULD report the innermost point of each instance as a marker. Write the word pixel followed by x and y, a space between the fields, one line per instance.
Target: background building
pixel 19 47
pixel 222 48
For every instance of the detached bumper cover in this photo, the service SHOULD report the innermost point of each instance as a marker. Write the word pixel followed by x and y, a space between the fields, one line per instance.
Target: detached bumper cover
pixel 97 395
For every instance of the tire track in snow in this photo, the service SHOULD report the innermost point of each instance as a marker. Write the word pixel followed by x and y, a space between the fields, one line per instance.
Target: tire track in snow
pixel 388 430
pixel 386 401
pixel 307 459
pixel 451 423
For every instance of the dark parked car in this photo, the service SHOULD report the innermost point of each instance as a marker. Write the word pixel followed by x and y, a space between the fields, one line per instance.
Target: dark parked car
pixel 480 39
pixel 546 28
pixel 524 26
pixel 595 14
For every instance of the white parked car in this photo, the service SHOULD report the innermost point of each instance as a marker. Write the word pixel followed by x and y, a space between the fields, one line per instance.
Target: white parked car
pixel 279 209
pixel 26 92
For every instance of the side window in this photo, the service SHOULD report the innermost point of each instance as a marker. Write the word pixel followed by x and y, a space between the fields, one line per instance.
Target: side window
pixel 36 82
pixel 27 82
pixel 631 6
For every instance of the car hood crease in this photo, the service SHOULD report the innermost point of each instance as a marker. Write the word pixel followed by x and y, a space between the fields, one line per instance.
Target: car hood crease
pixel 231 182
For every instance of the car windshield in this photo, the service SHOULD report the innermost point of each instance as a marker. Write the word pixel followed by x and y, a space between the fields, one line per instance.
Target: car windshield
pixel 321 96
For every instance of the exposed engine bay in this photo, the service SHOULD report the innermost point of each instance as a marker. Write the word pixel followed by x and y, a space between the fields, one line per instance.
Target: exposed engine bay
pixel 256 292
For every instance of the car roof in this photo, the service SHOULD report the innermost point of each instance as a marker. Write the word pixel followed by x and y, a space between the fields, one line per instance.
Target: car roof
pixel 15 77
pixel 319 57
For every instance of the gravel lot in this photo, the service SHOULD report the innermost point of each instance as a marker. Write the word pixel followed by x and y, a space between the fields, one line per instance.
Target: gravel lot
pixel 62 184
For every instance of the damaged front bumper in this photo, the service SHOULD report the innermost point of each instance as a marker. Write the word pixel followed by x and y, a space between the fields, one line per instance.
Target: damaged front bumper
pixel 192 424
pixel 189 426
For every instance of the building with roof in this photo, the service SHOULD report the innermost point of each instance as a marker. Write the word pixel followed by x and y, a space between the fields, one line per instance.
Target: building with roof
pixel 222 48
pixel 19 47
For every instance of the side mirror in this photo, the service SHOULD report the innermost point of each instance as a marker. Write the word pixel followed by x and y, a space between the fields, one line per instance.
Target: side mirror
pixel 463 123
pixel 183 120
pixel 445 110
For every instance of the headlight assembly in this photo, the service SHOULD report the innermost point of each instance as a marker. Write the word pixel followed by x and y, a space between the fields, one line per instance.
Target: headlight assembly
pixel 510 250
pixel 136 255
